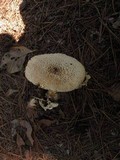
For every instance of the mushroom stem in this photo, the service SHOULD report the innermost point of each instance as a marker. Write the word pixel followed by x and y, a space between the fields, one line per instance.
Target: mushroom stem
pixel 52 95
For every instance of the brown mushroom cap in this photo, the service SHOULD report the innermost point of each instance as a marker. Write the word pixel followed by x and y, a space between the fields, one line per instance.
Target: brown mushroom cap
pixel 57 72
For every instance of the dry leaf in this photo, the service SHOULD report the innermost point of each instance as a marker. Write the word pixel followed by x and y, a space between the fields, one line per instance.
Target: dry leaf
pixel 22 49
pixel 10 92
pixel 32 113
pixel 23 123
pixel 14 59
pixel 27 125
pixel 46 122
pixel 20 141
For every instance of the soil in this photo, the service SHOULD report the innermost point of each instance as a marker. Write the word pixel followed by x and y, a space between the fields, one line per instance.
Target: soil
pixel 87 121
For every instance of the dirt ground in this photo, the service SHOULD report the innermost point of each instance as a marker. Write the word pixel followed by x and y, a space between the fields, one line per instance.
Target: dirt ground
pixel 86 125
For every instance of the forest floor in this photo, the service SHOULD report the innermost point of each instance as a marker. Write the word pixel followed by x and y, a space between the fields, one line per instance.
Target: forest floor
pixel 86 124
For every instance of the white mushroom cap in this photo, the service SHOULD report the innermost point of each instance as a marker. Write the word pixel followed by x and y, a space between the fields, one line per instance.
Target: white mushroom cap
pixel 56 72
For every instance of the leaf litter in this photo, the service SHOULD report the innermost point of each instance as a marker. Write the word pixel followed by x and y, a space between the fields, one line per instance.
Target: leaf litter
pixel 45 104
pixel 22 123
pixel 17 123
pixel 20 141
pixel 32 113
pixel 89 94
pixel 13 60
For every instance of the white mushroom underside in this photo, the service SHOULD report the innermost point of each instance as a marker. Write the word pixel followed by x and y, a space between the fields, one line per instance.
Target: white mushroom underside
pixel 56 72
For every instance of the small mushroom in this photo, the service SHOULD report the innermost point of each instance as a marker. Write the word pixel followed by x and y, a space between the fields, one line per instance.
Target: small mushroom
pixel 56 73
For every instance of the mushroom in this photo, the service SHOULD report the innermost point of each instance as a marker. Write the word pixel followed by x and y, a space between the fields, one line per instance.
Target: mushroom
pixel 56 73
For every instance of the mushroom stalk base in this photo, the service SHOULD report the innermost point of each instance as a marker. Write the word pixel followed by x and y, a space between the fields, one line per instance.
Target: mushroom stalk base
pixel 52 95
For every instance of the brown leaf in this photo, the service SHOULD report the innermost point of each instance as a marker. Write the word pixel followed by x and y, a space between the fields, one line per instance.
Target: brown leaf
pixel 21 49
pixel 20 141
pixel 46 122
pixel 31 113
pixel 27 125
pixel 14 59
pixel 23 123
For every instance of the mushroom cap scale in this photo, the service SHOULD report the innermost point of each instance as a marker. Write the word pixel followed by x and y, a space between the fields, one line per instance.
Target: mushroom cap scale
pixel 56 72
